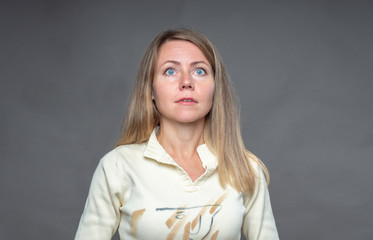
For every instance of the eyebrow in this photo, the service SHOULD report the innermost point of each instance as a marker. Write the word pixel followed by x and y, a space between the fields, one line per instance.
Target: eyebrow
pixel 178 63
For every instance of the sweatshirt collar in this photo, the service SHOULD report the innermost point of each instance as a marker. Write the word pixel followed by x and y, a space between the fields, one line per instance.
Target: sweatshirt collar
pixel 155 151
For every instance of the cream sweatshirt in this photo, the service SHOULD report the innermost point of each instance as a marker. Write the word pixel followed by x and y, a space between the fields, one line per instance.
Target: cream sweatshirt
pixel 140 191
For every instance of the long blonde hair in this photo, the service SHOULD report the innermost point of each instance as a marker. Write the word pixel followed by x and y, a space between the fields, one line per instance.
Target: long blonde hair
pixel 222 132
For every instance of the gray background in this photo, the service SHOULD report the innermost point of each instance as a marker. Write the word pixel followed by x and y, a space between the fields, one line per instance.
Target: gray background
pixel 302 70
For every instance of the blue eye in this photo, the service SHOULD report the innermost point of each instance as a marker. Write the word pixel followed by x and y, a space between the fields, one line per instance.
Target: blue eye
pixel 170 71
pixel 200 71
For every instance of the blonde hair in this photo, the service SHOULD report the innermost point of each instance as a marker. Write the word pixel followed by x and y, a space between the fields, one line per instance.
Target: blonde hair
pixel 222 132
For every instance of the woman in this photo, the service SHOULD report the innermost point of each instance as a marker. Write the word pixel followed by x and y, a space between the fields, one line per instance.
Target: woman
pixel 180 169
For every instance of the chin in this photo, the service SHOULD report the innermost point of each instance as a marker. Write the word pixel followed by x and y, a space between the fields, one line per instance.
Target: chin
pixel 185 117
pixel 190 119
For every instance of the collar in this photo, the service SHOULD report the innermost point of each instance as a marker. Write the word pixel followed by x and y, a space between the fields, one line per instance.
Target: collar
pixel 155 151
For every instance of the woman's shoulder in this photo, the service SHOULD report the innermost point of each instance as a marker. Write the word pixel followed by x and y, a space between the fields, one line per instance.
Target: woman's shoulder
pixel 130 148
pixel 254 160
pixel 123 153
pixel 259 168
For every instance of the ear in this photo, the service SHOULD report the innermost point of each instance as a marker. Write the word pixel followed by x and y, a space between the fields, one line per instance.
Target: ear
pixel 152 92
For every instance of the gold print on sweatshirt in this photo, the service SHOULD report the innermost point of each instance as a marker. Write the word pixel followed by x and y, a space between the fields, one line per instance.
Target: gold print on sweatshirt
pixel 194 221
pixel 135 217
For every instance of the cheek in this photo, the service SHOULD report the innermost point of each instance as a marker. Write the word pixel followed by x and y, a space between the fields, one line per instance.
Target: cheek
pixel 210 93
pixel 160 94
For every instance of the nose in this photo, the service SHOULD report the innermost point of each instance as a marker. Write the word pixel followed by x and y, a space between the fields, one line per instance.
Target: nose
pixel 186 82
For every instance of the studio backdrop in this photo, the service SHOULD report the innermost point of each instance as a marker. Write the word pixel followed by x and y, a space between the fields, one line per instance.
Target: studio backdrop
pixel 302 71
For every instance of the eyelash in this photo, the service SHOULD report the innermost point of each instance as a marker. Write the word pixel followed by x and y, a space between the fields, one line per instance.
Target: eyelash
pixel 199 68
pixel 165 72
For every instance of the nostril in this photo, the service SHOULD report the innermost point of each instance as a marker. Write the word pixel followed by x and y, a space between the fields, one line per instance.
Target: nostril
pixel 186 83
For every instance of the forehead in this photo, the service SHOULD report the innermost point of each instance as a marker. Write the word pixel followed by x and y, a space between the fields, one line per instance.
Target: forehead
pixel 180 50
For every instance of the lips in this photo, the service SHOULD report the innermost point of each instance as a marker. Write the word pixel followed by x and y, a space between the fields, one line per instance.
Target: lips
pixel 186 100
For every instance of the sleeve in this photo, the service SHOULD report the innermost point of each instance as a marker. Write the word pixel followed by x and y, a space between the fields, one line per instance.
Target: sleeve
pixel 101 215
pixel 258 222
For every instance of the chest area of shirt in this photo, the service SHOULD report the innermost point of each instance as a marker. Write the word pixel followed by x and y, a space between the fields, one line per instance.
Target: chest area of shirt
pixel 210 214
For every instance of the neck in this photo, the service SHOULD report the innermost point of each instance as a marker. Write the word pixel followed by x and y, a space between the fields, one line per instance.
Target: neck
pixel 181 140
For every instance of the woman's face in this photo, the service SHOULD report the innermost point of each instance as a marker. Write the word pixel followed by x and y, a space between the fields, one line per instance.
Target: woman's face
pixel 183 84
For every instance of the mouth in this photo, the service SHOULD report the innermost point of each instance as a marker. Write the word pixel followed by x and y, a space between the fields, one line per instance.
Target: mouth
pixel 186 100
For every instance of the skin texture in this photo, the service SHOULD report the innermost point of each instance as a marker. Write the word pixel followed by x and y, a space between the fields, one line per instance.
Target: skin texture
pixel 182 71
pixel 183 89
